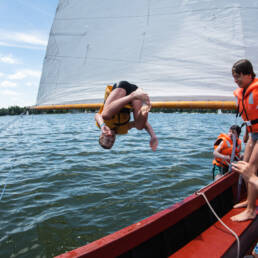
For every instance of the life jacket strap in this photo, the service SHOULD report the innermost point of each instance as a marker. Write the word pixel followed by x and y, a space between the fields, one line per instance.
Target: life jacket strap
pixel 251 122
pixel 124 123
pixel 222 164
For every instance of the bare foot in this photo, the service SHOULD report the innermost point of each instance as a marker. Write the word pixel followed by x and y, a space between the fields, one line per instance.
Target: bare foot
pixel 240 205
pixel 245 215
pixel 145 109
pixel 140 94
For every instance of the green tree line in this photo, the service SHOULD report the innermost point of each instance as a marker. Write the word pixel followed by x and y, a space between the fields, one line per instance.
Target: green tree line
pixel 16 110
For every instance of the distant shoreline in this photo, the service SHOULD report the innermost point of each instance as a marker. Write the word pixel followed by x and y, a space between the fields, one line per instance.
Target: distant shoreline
pixel 16 110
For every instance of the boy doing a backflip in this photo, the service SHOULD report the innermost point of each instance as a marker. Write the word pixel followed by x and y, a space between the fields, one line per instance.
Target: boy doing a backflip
pixel 114 116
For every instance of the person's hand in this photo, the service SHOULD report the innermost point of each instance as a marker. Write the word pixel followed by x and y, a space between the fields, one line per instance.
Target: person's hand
pixel 154 143
pixel 227 157
pixel 141 95
pixel 106 130
pixel 241 167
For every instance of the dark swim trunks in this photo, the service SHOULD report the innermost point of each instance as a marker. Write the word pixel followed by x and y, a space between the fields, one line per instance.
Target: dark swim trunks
pixel 254 136
pixel 216 170
pixel 128 87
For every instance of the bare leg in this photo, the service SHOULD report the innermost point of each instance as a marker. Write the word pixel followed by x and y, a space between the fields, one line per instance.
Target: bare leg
pixel 247 155
pixel 114 103
pixel 118 99
pixel 254 181
pixel 140 114
pixel 250 211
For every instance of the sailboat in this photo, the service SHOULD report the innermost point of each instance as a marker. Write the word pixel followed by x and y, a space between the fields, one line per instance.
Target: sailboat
pixel 181 53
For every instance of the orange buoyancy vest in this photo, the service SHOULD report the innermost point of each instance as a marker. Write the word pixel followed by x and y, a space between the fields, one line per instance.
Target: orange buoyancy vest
pixel 226 149
pixel 248 105
pixel 119 122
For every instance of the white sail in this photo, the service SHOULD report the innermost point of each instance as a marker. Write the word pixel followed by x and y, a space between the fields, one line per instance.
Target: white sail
pixel 174 50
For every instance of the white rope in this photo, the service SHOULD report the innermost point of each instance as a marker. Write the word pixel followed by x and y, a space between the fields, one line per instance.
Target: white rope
pixel 229 229
pixel 232 153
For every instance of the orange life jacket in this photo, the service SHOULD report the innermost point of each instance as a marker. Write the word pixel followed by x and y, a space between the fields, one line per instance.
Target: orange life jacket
pixel 226 149
pixel 119 122
pixel 248 105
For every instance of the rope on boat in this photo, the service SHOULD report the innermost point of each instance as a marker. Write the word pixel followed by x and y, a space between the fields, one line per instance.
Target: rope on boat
pixel 230 168
pixel 229 229
pixel 232 153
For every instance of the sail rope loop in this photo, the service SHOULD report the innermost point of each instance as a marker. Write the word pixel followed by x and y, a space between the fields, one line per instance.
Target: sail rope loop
pixel 232 120
pixel 8 124
pixel 218 218
pixel 11 168
pixel 233 153
pixel 6 180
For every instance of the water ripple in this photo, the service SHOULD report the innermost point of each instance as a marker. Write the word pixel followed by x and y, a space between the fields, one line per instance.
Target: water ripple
pixel 63 190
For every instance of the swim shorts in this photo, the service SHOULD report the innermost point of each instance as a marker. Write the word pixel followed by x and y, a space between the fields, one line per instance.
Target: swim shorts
pixel 216 170
pixel 128 87
pixel 254 136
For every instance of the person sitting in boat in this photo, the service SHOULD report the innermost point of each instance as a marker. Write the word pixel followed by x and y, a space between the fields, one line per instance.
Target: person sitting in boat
pixel 114 116
pixel 223 148
pixel 247 96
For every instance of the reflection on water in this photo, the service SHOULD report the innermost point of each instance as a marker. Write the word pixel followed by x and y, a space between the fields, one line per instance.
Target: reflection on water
pixel 63 190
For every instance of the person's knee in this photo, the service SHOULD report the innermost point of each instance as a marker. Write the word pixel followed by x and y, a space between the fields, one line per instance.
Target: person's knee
pixel 105 115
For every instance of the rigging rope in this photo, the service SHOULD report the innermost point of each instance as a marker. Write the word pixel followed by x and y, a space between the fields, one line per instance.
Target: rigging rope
pixel 9 172
pixel 12 121
pixel 215 214
pixel 232 153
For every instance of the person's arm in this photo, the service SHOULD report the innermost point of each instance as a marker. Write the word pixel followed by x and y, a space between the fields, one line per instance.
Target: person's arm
pixel 154 140
pixel 99 119
pixel 103 127
pixel 217 153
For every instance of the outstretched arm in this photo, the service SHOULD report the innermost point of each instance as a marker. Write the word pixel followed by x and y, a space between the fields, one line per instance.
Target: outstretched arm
pixel 154 140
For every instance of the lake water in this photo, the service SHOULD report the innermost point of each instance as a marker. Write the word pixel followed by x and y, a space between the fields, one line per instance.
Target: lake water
pixel 63 190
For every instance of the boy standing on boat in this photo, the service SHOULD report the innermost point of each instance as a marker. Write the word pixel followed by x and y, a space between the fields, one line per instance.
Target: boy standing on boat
pixel 223 148
pixel 114 116
pixel 247 95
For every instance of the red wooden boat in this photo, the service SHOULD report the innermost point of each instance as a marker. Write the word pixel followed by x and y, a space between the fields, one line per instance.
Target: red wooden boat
pixel 186 229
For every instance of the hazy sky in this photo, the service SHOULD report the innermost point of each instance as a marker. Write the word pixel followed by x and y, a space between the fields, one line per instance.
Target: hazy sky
pixel 24 30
